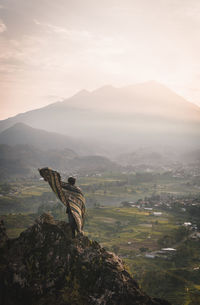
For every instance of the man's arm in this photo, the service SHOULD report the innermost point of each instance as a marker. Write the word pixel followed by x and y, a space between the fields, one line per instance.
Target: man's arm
pixel 44 172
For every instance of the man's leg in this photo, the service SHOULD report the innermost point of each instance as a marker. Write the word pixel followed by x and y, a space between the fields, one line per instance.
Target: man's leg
pixel 72 223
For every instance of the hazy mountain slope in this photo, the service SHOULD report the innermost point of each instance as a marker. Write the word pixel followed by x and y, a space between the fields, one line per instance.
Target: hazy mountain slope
pixel 143 114
pixel 24 160
pixel 93 164
pixel 149 98
pixel 21 133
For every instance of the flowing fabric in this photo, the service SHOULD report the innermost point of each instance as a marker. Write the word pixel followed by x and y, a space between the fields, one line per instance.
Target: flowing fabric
pixel 70 196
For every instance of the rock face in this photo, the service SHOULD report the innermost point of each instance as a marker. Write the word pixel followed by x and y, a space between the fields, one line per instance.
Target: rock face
pixel 3 235
pixel 46 266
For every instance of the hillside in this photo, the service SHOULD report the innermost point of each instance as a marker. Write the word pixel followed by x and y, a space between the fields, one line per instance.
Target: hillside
pixel 24 160
pixel 46 266
pixel 20 134
pixel 123 119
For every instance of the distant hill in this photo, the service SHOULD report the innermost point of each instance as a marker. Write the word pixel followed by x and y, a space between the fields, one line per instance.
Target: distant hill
pixel 22 134
pixel 121 119
pixel 93 164
pixel 156 158
pixel 24 161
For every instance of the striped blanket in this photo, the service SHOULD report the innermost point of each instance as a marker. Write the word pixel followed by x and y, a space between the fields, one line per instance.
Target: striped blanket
pixel 70 196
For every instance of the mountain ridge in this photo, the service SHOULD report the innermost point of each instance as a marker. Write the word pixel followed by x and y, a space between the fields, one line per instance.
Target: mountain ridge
pixel 21 133
pixel 151 115
pixel 85 92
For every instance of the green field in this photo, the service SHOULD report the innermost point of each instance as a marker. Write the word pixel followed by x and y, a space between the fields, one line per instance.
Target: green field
pixel 109 189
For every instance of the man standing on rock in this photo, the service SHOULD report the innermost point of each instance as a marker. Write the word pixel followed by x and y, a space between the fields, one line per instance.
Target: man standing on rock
pixel 70 195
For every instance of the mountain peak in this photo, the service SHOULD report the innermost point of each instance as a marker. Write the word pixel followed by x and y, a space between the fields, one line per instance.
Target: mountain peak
pixel 47 266
pixel 82 93
pixel 104 89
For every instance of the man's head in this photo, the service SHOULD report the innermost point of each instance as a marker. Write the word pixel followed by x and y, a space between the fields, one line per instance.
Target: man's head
pixel 71 180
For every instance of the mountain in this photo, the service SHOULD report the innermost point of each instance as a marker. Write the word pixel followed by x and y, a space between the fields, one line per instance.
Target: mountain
pixel 121 119
pixel 44 265
pixel 151 98
pixel 21 134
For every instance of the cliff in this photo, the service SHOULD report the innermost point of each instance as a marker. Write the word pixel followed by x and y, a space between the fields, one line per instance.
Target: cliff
pixel 44 265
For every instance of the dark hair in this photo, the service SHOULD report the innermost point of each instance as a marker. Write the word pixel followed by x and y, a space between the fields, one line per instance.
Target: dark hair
pixel 72 180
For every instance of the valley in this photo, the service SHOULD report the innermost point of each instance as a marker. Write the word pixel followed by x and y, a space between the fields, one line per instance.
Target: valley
pixel 139 216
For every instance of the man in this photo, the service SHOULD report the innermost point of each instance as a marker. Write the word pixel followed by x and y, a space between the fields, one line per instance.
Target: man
pixel 70 186
pixel 70 195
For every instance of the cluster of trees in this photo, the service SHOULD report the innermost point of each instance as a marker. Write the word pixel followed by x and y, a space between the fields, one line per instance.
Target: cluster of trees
pixel 176 236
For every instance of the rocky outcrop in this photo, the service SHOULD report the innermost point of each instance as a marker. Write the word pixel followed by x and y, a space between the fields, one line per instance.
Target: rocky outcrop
pixel 46 266
pixel 3 235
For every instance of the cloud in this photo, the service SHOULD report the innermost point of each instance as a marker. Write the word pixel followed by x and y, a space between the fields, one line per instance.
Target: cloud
pixel 54 28
pixel 70 34
pixel 3 27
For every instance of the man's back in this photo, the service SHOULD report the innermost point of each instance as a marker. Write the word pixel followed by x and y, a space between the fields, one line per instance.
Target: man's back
pixel 69 194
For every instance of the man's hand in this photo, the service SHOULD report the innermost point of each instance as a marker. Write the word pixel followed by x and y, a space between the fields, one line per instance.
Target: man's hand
pixel 40 171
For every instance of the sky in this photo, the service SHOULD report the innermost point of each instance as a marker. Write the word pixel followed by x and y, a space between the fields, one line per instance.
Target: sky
pixel 49 50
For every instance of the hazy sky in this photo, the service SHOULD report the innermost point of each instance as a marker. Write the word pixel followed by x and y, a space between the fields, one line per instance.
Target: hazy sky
pixel 52 49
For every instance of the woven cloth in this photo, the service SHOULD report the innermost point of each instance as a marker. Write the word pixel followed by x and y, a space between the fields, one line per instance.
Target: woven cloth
pixel 71 196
